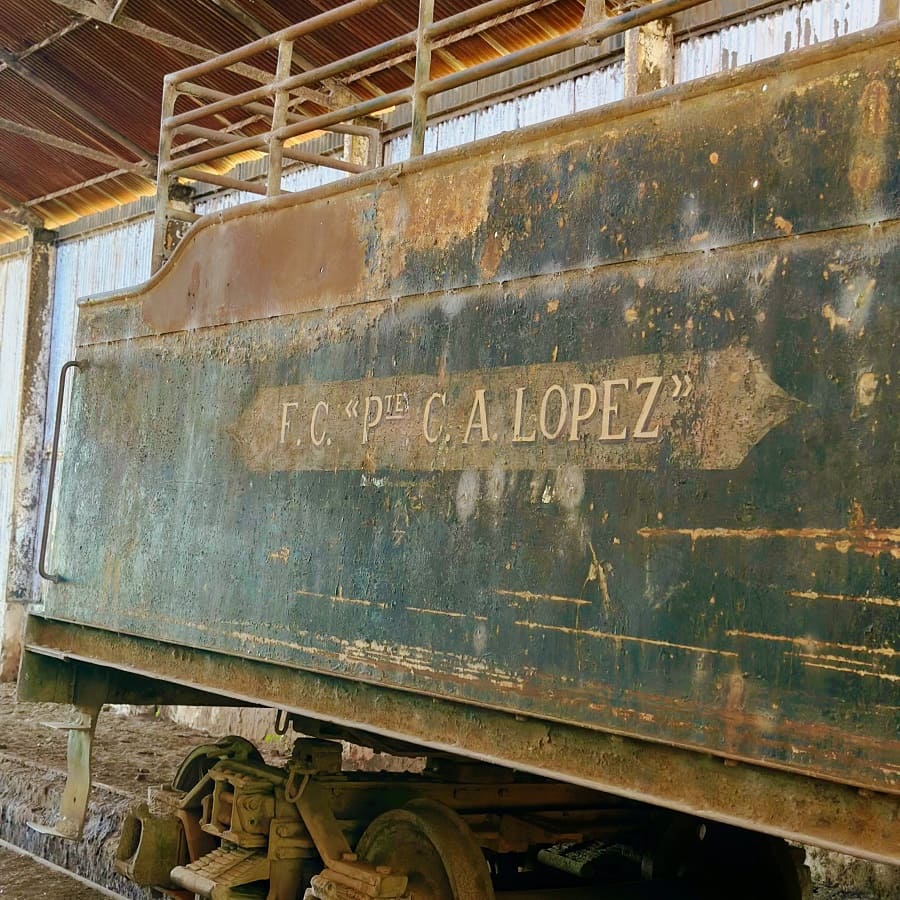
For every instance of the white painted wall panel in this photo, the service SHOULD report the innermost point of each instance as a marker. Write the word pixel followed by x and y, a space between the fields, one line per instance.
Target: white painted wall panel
pixel 801 25
pixel 96 263
pixel 496 119
pixel 13 305
pixel 603 86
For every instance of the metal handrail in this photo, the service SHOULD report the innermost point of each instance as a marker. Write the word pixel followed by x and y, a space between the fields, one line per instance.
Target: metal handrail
pixel 275 100
pixel 51 478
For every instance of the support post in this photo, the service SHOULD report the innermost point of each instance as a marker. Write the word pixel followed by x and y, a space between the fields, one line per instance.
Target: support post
pixel 649 57
pixel 279 119
pixel 162 245
pixel 422 77
pixel 21 581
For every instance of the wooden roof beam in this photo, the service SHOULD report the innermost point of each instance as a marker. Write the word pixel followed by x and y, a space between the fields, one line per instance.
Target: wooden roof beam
pixel 115 10
pixel 68 28
pixel 18 214
pixel 102 13
pixel 26 74
pixel 52 140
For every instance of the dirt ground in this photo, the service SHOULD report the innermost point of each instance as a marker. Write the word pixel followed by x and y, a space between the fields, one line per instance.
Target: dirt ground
pixel 135 752
pixel 23 877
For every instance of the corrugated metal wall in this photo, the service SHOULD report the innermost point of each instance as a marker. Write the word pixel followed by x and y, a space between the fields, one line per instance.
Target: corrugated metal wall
pixel 96 263
pixel 796 26
pixel 13 306
pixel 780 32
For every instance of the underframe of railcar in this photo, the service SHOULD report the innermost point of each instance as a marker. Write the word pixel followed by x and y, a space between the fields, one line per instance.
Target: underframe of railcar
pixel 73 664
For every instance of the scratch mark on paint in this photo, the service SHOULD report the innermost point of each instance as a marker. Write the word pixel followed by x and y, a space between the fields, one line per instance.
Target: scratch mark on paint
pixel 883 676
pixel 597 573
pixel 556 598
pixel 815 595
pixel 436 612
pixel 811 643
pixel 282 555
pixel 871 541
pixel 625 637
pixel 835 659
pixel 340 598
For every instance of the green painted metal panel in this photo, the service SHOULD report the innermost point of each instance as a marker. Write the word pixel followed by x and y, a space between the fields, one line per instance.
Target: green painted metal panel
pixel 596 424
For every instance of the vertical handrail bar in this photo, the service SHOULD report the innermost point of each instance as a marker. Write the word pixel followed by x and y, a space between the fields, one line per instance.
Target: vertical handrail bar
pixel 279 119
pixel 421 79
pixel 51 478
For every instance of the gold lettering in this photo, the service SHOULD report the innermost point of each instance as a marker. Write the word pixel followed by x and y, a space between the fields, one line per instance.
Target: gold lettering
pixel 285 422
pixel 578 416
pixel 563 412
pixel 370 423
pixel 640 430
pixel 610 409
pixel 318 440
pixel 518 437
pixel 427 414
pixel 479 409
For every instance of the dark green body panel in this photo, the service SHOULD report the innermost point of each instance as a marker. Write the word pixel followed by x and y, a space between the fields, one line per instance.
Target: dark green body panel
pixel 728 583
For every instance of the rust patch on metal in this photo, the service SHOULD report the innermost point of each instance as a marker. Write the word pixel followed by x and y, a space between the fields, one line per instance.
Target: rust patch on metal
pixel 868 167
pixel 235 270
pixel 875 105
pixel 431 211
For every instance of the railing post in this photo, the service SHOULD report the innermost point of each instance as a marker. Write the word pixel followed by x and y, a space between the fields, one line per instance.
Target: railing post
pixel 161 220
pixel 422 77
pixel 279 118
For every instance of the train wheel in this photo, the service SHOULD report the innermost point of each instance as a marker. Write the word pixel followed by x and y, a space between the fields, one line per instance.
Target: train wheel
pixel 434 847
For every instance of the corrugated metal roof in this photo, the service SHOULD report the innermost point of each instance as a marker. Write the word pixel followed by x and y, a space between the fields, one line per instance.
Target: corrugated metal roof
pixel 114 73
pixel 67 71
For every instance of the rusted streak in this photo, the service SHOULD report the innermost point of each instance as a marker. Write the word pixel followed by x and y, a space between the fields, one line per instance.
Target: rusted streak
pixel 529 595
pixel 625 637
pixel 436 612
pixel 870 541
pixel 882 675
pixel 811 642
pixel 874 601
pixel 339 598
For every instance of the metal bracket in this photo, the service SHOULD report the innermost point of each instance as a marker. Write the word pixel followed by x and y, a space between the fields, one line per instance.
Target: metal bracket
pixel 74 802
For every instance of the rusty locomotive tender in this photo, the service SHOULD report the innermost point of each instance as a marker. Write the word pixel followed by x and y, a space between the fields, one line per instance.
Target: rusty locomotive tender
pixel 566 460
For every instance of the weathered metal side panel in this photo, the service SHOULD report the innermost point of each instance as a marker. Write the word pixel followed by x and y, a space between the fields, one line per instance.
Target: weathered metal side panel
pixel 598 426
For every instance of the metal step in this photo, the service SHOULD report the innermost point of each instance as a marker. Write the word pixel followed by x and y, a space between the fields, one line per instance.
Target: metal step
pixel 227 869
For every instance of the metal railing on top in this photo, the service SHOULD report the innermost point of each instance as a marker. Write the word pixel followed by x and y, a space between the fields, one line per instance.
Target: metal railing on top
pixel 274 106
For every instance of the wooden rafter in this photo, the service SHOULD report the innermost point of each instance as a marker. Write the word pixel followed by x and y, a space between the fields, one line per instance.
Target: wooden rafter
pixel 28 75
pixel 102 13
pixel 19 214
pixel 52 140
